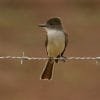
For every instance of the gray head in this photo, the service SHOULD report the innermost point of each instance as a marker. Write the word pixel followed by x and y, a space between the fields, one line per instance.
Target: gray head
pixel 53 23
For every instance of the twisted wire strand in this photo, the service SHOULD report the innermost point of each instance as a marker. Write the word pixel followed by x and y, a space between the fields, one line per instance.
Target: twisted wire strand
pixel 23 57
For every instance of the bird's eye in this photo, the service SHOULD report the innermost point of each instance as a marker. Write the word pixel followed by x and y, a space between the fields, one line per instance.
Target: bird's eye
pixel 51 24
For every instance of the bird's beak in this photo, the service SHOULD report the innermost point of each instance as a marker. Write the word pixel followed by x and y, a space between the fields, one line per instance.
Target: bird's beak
pixel 42 25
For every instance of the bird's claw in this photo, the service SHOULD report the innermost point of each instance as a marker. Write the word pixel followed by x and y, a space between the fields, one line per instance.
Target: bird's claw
pixel 63 59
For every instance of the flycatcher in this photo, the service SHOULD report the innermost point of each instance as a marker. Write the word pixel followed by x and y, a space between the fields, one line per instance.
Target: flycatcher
pixel 55 43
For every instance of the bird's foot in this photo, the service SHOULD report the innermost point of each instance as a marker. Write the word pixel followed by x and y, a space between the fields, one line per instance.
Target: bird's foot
pixel 62 59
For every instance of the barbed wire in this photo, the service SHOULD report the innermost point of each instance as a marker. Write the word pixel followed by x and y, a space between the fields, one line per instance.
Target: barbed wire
pixel 23 57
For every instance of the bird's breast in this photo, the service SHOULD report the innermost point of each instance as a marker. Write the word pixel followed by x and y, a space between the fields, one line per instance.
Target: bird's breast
pixel 56 43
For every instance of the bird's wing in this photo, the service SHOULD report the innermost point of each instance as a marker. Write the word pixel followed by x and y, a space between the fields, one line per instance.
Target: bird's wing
pixel 46 43
pixel 66 42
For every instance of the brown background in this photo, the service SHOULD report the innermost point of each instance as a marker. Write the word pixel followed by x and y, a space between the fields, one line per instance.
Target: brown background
pixel 19 31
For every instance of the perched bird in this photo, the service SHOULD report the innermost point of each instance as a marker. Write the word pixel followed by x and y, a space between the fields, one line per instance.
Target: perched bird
pixel 56 42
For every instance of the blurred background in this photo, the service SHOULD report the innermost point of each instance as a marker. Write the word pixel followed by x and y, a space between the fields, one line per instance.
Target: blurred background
pixel 19 31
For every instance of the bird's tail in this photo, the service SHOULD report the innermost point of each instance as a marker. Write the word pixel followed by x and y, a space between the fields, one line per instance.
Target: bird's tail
pixel 47 72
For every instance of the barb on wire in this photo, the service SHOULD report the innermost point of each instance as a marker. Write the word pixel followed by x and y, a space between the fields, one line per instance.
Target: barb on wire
pixel 23 57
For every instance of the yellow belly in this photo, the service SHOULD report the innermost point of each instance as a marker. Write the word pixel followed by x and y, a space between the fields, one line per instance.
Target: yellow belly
pixel 56 42
pixel 55 48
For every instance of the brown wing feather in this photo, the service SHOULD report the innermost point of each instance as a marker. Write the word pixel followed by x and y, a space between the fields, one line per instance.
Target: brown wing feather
pixel 46 43
pixel 66 42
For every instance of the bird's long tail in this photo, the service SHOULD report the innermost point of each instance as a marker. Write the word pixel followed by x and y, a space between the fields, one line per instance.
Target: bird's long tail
pixel 47 72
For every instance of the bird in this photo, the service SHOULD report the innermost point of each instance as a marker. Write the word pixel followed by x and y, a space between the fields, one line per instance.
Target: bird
pixel 55 43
